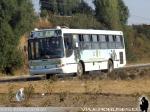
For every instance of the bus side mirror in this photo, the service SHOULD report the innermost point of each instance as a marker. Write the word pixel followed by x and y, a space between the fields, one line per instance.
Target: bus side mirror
pixel 77 44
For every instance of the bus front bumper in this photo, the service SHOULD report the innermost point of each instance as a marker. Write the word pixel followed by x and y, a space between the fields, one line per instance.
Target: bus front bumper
pixel 46 71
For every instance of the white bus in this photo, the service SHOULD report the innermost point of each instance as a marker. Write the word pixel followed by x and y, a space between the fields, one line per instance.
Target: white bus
pixel 63 50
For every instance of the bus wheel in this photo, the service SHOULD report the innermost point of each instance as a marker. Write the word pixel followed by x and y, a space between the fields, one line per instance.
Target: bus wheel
pixel 110 66
pixel 80 69
pixel 48 76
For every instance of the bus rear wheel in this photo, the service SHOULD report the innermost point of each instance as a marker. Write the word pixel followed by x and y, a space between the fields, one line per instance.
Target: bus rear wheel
pixel 80 69
pixel 110 66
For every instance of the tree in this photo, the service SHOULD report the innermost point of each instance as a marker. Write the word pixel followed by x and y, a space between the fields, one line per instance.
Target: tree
pixel 83 8
pixel 59 7
pixel 16 18
pixel 111 12
pixel 49 5
pixel 123 12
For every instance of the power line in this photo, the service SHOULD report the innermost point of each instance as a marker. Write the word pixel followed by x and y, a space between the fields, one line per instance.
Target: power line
pixel 145 18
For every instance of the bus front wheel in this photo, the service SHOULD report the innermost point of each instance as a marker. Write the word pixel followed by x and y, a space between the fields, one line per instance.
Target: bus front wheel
pixel 110 66
pixel 48 76
pixel 80 69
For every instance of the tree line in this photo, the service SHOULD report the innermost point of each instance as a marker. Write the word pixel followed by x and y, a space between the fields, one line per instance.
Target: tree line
pixel 111 13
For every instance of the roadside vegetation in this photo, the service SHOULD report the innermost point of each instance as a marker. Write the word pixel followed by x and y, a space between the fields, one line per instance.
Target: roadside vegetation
pixel 17 19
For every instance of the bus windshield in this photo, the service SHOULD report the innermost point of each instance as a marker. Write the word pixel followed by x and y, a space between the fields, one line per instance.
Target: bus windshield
pixel 46 48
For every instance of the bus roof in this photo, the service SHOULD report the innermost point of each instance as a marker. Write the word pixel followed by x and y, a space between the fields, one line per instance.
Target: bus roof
pixel 91 31
pixel 86 31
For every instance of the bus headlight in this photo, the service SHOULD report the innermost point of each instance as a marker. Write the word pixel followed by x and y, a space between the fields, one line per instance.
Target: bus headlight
pixel 31 67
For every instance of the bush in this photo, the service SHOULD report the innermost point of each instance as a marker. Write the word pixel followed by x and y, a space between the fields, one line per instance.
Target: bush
pixel 29 91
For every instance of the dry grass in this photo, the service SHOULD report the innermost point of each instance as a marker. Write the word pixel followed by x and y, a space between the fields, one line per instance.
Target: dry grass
pixel 139 86
pixel 43 23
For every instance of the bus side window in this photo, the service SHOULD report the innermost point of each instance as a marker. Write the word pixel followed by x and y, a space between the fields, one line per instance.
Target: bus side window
pixel 94 38
pixel 121 39
pixel 107 38
pixel 86 43
pixel 111 43
pixel 102 42
pixel 114 38
pixel 80 41
pixel 95 44
pixel 119 42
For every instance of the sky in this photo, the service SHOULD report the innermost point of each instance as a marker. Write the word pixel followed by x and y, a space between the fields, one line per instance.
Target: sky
pixel 139 10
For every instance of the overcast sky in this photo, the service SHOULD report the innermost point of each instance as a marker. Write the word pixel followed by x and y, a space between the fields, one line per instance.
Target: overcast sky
pixel 139 10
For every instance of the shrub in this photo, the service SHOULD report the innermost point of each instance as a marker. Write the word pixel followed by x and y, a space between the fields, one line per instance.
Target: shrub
pixel 28 91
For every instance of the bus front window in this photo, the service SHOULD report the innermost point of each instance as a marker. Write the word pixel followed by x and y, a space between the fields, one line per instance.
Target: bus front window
pixel 46 48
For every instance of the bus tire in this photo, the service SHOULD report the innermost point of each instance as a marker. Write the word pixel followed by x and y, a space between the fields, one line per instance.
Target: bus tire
pixel 110 66
pixel 80 69
pixel 48 76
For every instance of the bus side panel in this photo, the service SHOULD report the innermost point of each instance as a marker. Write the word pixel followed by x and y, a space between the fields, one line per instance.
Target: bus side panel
pixel 98 59
pixel 95 59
